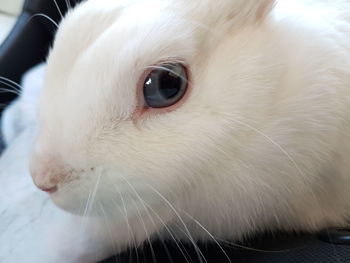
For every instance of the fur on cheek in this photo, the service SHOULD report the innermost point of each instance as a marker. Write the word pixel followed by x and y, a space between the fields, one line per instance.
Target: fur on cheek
pixel 260 143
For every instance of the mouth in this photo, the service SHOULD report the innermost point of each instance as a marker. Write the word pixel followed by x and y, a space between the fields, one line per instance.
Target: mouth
pixel 50 190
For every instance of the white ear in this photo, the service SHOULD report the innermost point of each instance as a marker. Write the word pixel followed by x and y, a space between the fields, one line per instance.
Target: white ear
pixel 232 11
pixel 221 16
pixel 251 10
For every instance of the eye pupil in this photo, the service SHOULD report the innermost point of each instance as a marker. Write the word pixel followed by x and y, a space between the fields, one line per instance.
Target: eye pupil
pixel 165 86
pixel 170 85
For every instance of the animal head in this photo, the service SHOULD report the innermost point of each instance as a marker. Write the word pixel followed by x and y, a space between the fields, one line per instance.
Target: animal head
pixel 139 97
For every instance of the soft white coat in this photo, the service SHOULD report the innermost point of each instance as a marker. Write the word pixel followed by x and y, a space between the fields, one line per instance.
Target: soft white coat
pixel 262 142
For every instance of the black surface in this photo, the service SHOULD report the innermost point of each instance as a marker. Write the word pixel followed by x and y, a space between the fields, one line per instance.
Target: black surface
pixel 29 41
pixel 339 236
pixel 269 249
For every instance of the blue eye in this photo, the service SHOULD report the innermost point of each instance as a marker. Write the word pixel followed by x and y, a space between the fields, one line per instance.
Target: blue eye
pixel 165 85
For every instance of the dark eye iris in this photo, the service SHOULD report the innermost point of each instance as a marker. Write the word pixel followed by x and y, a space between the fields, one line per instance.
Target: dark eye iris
pixel 165 86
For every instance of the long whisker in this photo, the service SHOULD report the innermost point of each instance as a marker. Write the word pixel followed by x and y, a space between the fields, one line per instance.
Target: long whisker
pixel 110 232
pixel 283 151
pixel 89 203
pixel 146 231
pixel 290 158
pixel 58 8
pixel 85 220
pixel 14 84
pixel 200 255
pixel 142 202
pixel 209 234
pixel 10 88
pixel 128 224
pixel 235 245
pixel 94 192
pixel 240 245
pixel 4 90
pixel 166 249
pixel 68 5
pixel 169 231
pixel 44 16
pixel 148 207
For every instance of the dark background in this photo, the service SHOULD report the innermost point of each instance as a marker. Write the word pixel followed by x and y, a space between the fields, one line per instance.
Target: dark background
pixel 278 248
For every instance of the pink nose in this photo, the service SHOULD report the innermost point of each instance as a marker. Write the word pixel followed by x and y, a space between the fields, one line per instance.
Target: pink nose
pixel 49 190
pixel 47 173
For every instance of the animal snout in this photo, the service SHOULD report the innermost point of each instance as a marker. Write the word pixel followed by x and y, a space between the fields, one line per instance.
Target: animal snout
pixel 48 173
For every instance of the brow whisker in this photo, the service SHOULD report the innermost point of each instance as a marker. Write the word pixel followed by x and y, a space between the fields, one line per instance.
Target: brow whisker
pixel 44 16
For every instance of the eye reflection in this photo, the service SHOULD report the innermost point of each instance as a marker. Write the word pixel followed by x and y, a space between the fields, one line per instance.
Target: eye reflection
pixel 165 86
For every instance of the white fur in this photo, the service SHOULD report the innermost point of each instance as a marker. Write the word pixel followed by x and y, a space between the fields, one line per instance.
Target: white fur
pixel 23 111
pixel 261 143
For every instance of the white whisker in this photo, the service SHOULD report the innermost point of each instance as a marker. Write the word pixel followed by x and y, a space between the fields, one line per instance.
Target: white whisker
pixel 110 231
pixel 198 251
pixel 58 8
pixel 4 90
pixel 14 84
pixel 148 207
pixel 146 231
pixel 45 16
pixel 85 219
pixel 290 158
pixel 90 202
pixel 128 224
pixel 283 151
pixel 151 219
pixel 168 230
pixel 97 184
pixel 235 245
pixel 209 234
pixel 68 5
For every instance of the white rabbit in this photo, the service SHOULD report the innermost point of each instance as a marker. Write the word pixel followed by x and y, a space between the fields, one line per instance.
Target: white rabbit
pixel 198 120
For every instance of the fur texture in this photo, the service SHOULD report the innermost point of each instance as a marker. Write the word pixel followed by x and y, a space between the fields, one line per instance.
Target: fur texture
pixel 261 143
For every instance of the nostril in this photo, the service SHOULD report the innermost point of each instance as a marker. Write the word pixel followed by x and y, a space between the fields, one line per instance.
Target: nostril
pixel 48 173
pixel 49 190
